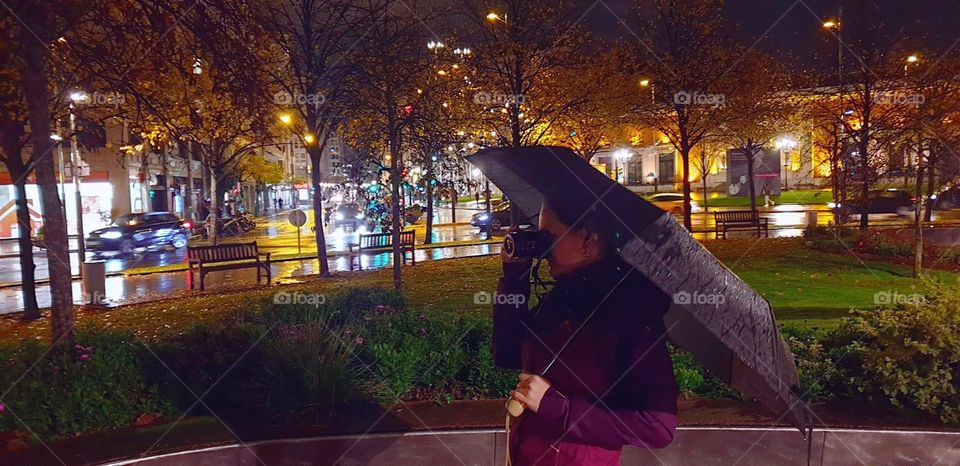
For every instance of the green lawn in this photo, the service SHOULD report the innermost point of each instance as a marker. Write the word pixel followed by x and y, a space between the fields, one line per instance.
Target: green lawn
pixel 803 197
pixel 807 288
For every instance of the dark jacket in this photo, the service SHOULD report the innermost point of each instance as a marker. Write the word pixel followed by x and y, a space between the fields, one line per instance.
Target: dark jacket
pixel 614 384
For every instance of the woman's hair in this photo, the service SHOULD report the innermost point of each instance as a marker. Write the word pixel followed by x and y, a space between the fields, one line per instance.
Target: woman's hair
pixel 592 223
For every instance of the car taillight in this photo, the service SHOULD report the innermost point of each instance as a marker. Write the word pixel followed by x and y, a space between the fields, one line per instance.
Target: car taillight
pixel 187 225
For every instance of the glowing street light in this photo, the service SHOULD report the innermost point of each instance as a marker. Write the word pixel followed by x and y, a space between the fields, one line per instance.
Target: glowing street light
pixel 913 59
pixel 621 155
pixel 493 16
pixel 308 138
pixel 285 118
pixel 644 82
pixel 78 96
pixel 830 24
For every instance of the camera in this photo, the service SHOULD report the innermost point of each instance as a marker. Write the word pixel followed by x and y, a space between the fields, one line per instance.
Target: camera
pixel 526 244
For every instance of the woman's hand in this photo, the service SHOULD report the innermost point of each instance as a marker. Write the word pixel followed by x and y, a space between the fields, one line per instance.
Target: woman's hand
pixel 530 391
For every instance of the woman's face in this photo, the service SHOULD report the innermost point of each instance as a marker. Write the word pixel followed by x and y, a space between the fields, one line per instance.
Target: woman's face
pixel 572 248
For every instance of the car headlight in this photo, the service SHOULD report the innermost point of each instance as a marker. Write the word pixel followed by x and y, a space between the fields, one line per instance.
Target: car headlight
pixel 338 216
pixel 833 205
pixel 483 216
pixel 111 235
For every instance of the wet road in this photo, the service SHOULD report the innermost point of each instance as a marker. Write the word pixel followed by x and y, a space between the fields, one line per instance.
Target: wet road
pixel 141 288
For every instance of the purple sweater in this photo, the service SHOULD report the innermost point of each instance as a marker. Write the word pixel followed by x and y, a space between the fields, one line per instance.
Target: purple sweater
pixel 614 384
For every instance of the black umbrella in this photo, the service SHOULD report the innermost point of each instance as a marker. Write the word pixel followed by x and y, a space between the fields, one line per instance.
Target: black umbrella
pixel 717 317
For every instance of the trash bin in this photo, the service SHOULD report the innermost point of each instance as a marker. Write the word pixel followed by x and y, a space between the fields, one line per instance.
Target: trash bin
pixel 811 219
pixel 94 283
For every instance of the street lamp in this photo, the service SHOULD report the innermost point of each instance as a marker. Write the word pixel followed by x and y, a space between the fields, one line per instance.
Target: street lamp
pixel 786 144
pixel 77 97
pixel 621 155
pixel 63 193
pixel 285 118
pixel 645 82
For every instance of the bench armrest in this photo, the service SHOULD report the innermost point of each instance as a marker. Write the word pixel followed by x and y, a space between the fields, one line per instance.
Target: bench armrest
pixel 265 254
pixel 193 260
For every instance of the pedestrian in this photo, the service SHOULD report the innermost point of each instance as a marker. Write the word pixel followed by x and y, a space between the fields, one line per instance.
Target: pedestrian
pixel 279 204
pixel 613 384
pixel 766 195
pixel 477 196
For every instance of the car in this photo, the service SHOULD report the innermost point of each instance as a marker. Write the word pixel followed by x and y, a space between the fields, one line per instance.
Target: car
pixel 145 230
pixel 947 199
pixel 498 218
pixel 348 213
pixel 671 202
pixel 886 201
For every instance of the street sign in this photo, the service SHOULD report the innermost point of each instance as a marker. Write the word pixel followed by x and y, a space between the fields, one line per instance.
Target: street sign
pixel 298 218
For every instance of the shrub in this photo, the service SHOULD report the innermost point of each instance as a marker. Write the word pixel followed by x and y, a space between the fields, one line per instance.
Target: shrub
pixel 214 361
pixel 692 379
pixel 405 349
pixel 814 369
pixel 906 354
pixel 306 371
pixel 98 384
pixel 483 378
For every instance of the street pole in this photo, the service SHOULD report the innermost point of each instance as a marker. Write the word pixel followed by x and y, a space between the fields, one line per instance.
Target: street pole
pixel 63 191
pixel 75 171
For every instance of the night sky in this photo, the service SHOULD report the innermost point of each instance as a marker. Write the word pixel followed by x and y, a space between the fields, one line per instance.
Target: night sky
pixel 793 27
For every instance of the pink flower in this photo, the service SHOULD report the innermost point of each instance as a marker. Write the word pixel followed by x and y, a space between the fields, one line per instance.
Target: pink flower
pixel 2 408
pixel 84 356
pixel 358 340
pixel 421 317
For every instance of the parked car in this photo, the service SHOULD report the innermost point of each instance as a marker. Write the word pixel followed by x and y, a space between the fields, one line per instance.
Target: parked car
pixel 887 201
pixel 133 231
pixel 348 213
pixel 947 199
pixel 499 217
pixel 672 202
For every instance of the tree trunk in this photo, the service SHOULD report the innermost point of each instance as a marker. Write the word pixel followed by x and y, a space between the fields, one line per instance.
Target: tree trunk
pixel 34 82
pixel 184 150
pixel 429 237
pixel 748 153
pixel 864 188
pixel 214 229
pixel 453 204
pixel 397 222
pixel 931 184
pixel 706 207
pixel 316 153
pixel 687 213
pixel 27 268
pixel 918 221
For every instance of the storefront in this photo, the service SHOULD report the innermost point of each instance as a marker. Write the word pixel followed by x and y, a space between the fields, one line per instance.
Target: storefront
pixel 96 200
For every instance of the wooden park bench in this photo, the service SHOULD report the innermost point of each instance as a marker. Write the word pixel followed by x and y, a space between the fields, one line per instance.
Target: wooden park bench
pixel 740 220
pixel 228 256
pixel 380 242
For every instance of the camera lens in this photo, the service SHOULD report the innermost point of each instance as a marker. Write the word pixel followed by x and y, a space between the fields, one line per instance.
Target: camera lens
pixel 526 244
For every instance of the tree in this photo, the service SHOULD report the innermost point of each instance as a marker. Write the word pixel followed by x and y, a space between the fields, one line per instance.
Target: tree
pixel 391 63
pixel 677 55
pixel 36 30
pixel 313 41
pixel 520 50
pixel 13 141
pixel 260 171
pixel 757 110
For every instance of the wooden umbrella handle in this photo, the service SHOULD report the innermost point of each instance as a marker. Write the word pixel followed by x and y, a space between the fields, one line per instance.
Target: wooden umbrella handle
pixel 514 407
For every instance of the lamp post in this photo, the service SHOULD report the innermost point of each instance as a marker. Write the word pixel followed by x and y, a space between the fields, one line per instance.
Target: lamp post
pixel 77 97
pixel 621 156
pixel 63 193
pixel 786 145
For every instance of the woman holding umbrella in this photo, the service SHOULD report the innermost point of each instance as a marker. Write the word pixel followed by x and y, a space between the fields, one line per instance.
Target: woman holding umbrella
pixel 612 383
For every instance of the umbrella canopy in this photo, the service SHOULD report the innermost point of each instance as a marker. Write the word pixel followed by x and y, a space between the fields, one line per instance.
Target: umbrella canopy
pixel 715 316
